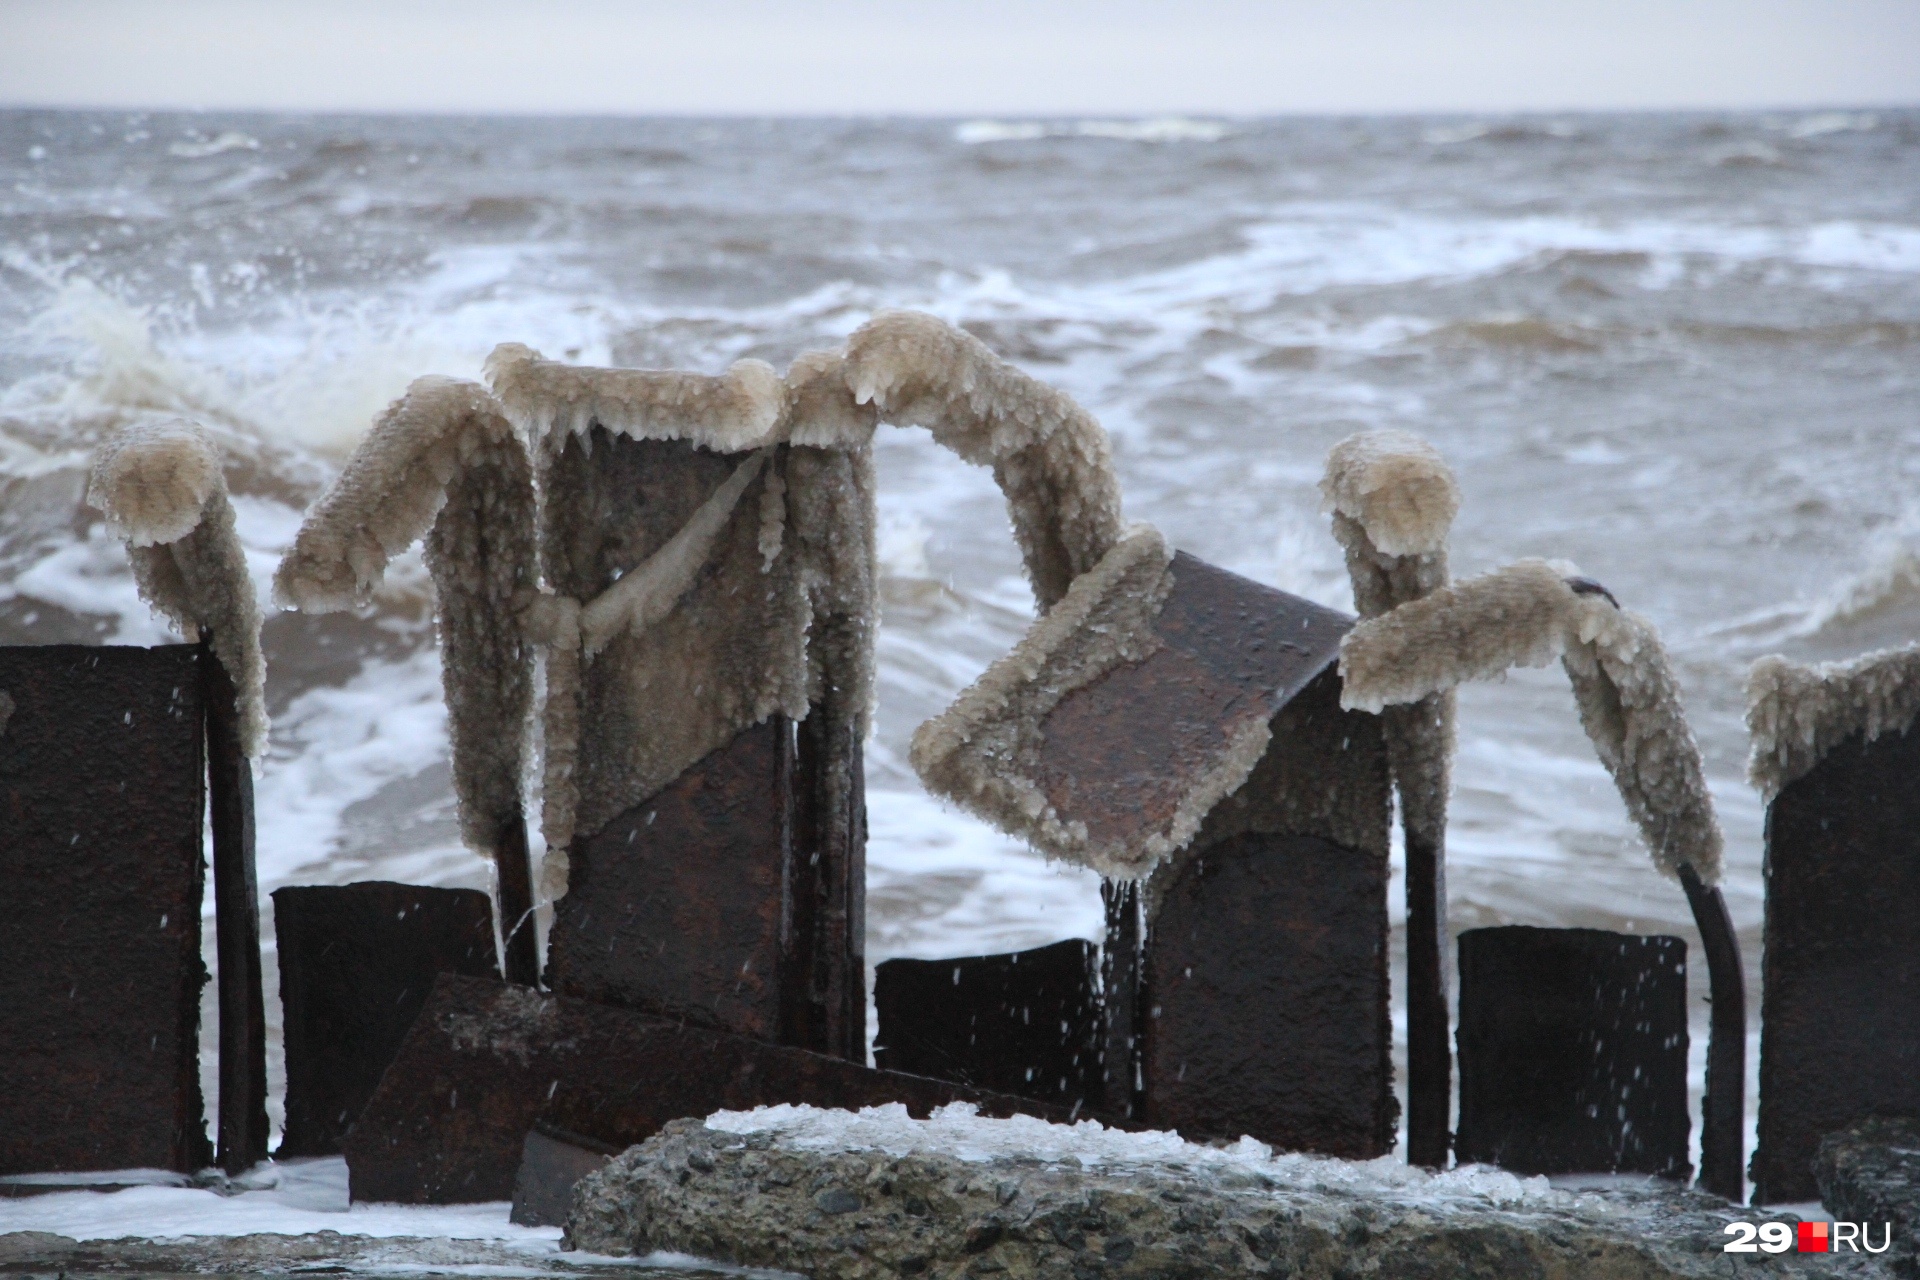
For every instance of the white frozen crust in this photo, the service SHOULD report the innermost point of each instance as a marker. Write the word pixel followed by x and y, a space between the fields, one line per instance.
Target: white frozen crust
pixel 982 752
pixel 387 496
pixel 1393 500
pixel 742 409
pixel 153 479
pixel 1526 615
pixel 959 1131
pixel 1397 486
pixel 442 462
pixel 1051 459
pixel 1796 714
pixel 161 486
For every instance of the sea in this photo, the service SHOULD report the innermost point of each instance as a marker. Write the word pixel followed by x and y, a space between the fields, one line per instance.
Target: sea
pixel 1678 350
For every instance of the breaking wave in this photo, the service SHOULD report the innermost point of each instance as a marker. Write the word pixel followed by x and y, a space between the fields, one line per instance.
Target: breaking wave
pixel 1157 129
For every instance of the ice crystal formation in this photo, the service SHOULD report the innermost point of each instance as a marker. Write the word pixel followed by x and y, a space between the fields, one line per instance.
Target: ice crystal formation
pixel 1393 500
pixel 1527 614
pixel 982 752
pixel 1049 456
pixel 442 462
pixel 1796 714
pixel 689 554
pixel 161 487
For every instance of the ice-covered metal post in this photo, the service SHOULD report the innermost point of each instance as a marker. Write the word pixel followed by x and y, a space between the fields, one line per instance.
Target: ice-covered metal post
pixel 161 487
pixel 1393 500
pixel 1836 756
pixel 442 462
pixel 708 546
pixel 1526 615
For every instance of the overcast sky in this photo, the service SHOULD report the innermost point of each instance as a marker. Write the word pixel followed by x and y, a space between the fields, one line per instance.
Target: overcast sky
pixel 969 57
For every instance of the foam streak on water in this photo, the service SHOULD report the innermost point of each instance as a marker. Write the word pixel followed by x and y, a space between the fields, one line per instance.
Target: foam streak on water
pixel 1677 350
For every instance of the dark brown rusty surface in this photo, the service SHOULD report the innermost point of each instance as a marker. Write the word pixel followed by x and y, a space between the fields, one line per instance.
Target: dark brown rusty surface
pixel 1723 1109
pixel 1429 1021
pixel 1120 962
pixel 513 882
pixel 676 906
pixel 242 1129
pixel 824 970
pixel 1266 997
pixel 102 797
pixel 551 1161
pixel 1026 1023
pixel 356 964
pixel 1840 1012
pixel 1127 749
pixel 1573 1051
pixel 485 1061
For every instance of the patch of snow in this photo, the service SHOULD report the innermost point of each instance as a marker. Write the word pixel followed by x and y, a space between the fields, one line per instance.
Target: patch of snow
pixel 295 1197
pixel 959 1130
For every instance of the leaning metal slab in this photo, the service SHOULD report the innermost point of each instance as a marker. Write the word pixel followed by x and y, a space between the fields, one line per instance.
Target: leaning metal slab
pixel 485 1061
pixel 356 964
pixel 102 797
pixel 1840 1018
pixel 676 907
pixel 1125 751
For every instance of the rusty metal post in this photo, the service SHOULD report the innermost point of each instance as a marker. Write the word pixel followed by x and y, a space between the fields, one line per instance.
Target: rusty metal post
pixel 1429 1055
pixel 1120 999
pixel 1573 1051
pixel 1265 997
pixel 1260 1005
pixel 1723 1128
pixel 102 797
pixel 824 1004
pixel 1024 1023
pixel 484 1062
pixel 242 1126
pixel 356 964
pixel 513 881
pixel 1840 1002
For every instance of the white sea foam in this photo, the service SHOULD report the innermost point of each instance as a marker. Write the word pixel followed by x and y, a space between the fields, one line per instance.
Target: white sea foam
pixel 1155 129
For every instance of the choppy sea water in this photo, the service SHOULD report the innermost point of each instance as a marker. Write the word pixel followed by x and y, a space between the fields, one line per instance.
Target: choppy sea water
pixel 1676 349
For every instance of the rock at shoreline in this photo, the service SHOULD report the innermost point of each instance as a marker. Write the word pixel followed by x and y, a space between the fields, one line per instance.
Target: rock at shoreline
pixel 1870 1173
pixel 842 1197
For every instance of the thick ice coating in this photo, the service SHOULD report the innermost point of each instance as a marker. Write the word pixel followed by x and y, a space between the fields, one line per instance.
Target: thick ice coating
pixel 1796 714
pixel 1049 456
pixel 1397 487
pixel 1526 615
pixel 983 751
pixel 700 589
pixel 161 487
pixel 442 462
pixel 736 411
pixel 1393 499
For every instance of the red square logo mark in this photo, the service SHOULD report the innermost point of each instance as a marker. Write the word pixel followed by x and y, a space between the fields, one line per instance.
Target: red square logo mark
pixel 1814 1237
